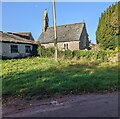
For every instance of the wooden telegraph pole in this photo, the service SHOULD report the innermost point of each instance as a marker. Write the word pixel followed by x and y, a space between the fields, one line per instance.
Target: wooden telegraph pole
pixel 55 30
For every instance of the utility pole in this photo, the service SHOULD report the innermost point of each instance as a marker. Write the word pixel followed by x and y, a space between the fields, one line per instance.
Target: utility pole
pixel 55 30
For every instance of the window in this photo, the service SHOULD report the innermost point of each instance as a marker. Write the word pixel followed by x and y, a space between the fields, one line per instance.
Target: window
pixel 27 49
pixel 65 46
pixel 14 48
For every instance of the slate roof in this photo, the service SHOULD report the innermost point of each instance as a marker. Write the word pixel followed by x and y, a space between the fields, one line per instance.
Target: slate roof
pixel 69 32
pixel 6 37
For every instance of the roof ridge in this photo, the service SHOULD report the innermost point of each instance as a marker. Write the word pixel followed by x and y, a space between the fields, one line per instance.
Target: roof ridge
pixel 67 25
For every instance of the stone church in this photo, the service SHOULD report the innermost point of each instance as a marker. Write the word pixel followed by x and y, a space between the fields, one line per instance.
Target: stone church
pixel 69 36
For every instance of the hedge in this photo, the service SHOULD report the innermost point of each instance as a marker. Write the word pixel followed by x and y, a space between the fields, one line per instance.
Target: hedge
pixel 102 55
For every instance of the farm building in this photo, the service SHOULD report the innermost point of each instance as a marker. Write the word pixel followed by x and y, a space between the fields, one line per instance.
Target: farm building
pixel 17 45
pixel 70 36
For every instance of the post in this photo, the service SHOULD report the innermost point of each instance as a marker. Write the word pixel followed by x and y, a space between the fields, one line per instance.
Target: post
pixel 55 30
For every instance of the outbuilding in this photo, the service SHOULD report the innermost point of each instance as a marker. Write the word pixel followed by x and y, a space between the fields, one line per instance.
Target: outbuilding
pixel 14 45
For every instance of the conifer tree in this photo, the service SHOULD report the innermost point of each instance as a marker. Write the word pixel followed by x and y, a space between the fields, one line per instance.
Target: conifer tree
pixel 108 30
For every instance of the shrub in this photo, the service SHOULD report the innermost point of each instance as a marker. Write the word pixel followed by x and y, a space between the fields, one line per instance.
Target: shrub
pixel 68 54
pixel 82 54
pixel 42 52
pixel 49 52
pixel 61 54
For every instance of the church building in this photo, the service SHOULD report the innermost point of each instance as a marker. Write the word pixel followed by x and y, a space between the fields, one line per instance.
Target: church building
pixel 69 36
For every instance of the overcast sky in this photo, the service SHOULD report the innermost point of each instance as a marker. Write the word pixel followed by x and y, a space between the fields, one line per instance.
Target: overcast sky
pixel 28 16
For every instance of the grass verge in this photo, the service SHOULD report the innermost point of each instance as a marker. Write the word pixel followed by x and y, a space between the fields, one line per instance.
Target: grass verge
pixel 42 77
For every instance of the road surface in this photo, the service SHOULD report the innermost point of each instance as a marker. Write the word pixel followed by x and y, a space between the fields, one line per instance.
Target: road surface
pixel 90 105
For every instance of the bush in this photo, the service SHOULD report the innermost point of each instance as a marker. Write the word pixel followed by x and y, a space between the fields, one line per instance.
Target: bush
pixel 82 53
pixel 42 52
pixel 68 54
pixel 61 54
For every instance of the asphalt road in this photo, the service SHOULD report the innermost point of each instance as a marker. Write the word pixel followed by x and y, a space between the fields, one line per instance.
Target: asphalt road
pixel 92 105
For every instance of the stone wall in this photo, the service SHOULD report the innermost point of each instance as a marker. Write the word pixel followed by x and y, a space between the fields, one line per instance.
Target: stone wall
pixel 84 41
pixel 6 50
pixel 72 45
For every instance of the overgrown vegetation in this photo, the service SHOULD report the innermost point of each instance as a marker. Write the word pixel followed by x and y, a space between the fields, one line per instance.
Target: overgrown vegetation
pixel 42 77
pixel 99 55
pixel 108 32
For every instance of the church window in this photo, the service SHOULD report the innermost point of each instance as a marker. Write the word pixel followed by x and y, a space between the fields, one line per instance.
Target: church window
pixel 66 46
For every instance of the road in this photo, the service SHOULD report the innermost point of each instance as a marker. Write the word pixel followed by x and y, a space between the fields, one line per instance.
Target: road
pixel 90 105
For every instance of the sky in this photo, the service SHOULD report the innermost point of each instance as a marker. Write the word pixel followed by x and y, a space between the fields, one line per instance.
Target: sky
pixel 28 16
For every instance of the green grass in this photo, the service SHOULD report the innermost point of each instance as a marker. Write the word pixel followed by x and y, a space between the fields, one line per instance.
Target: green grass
pixel 42 77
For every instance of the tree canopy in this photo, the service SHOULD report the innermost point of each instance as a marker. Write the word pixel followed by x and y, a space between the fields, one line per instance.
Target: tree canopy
pixel 108 30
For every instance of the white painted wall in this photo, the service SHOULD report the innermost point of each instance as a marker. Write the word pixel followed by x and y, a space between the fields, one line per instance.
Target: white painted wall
pixel 6 49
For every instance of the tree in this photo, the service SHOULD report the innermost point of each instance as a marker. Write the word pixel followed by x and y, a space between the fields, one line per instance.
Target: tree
pixel 108 32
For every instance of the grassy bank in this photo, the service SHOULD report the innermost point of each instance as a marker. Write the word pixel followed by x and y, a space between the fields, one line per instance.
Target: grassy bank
pixel 42 77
